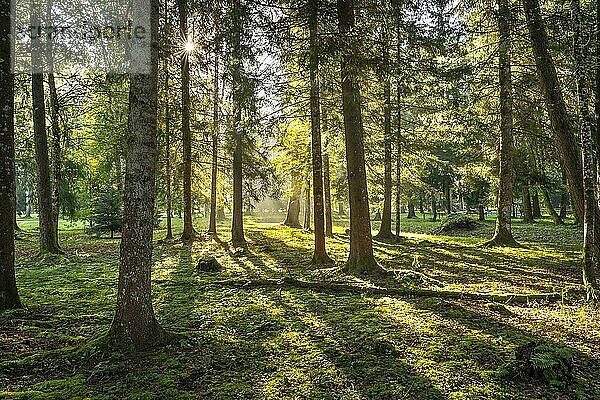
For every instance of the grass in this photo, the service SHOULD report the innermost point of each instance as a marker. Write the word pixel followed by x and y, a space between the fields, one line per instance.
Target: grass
pixel 293 343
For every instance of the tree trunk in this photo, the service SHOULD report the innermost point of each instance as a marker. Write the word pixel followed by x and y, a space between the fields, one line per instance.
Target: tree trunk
pixel 237 226
pixel 307 206
pixel 320 255
pixel 168 173
pixel 48 239
pixel 434 207
pixel 411 210
pixel 398 127
pixel 566 142
pixel 481 209
pixel 56 153
pixel 535 204
pixel 385 230
pixel 293 213
pixel 503 233
pixel 327 193
pixel 212 224
pixel 168 161
pixel 588 159
pixel 448 198
pixel 526 208
pixel 134 326
pixel 548 203
pixel 360 259
pixel 188 228
pixel 9 297
pixel 341 210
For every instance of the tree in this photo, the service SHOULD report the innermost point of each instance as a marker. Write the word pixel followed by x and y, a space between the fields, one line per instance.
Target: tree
pixel 48 233
pixel 212 224
pixel 188 228
pixel 237 226
pixel 9 297
pixel 503 234
pixel 360 259
pixel 320 254
pixel 588 158
pixel 107 212
pixel 134 325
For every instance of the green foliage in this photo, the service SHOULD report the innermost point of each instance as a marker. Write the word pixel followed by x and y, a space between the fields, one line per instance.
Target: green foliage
pixel 107 212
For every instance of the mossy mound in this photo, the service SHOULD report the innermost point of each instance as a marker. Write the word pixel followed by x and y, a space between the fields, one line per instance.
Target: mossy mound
pixel 458 223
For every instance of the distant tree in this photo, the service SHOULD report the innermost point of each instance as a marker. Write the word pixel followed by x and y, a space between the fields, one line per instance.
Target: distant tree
pixel 107 212
pixel 9 297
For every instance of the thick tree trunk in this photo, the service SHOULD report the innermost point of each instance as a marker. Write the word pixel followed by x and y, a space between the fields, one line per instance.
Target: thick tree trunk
pixel 434 207
pixel 588 159
pixel 548 203
pixel 526 208
pixel 237 226
pixel 320 255
pixel 134 326
pixel 48 239
pixel 9 297
pixel 411 210
pixel 566 142
pixel 503 233
pixel 188 228
pixel 535 204
pixel 293 213
pixel 360 259
pixel 212 223
pixel 56 153
pixel 385 230
pixel 481 211
pixel 341 210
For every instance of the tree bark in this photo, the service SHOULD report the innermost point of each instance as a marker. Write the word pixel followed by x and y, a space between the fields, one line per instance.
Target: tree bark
pixel 535 204
pixel 503 233
pixel 56 152
pixel 360 259
pixel 588 157
pixel 168 171
pixel 411 210
pixel 385 230
pixel 237 226
pixel 566 142
pixel 434 207
pixel 481 210
pixel 9 296
pixel 526 207
pixel 48 239
pixel 293 213
pixel 548 203
pixel 320 254
pixel 188 228
pixel 307 206
pixel 327 193
pixel 134 326
pixel 212 224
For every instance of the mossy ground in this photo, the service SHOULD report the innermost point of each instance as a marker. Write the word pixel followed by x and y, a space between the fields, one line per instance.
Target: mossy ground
pixel 264 342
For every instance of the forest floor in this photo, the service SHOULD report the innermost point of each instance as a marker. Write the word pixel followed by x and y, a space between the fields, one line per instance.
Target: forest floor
pixel 243 335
